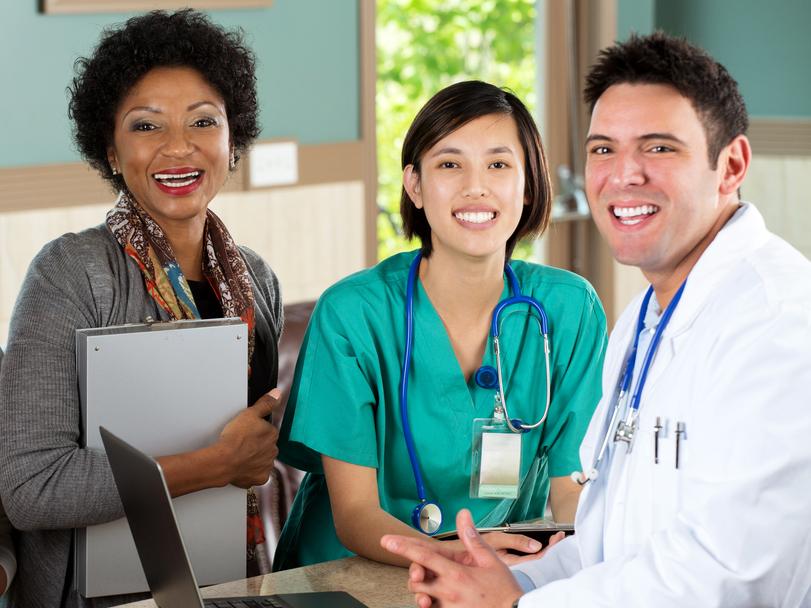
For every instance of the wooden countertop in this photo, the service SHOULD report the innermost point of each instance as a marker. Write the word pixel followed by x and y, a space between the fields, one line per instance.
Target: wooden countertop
pixel 376 585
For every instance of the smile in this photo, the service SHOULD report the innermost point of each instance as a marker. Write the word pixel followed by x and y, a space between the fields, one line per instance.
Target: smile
pixel 178 182
pixel 630 216
pixel 475 217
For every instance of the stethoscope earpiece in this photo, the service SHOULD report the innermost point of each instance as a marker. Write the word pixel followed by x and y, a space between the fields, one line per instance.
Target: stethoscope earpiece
pixel 427 517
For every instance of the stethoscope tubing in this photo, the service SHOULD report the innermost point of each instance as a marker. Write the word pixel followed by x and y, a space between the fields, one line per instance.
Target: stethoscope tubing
pixel 409 341
pixel 516 425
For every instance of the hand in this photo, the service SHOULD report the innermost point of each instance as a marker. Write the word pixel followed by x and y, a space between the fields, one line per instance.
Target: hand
pixel 506 546
pixel 460 555
pixel 553 540
pixel 447 579
pixel 249 442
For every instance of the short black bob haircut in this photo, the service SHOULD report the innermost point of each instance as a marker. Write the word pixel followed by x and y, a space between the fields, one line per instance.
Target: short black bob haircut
pixel 125 54
pixel 662 59
pixel 452 108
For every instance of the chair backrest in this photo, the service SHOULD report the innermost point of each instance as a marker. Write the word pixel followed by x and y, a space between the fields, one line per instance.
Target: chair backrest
pixel 276 496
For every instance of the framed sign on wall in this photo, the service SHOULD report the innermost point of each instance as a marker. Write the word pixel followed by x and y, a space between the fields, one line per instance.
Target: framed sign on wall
pixel 125 6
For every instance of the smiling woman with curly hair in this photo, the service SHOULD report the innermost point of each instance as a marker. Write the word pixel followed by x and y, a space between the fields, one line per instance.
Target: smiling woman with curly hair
pixel 162 109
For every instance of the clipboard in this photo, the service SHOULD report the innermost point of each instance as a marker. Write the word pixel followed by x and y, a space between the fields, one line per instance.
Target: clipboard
pixel 539 529
pixel 166 388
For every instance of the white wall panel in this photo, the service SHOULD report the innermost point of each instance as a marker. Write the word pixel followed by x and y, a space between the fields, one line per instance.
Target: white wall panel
pixel 310 235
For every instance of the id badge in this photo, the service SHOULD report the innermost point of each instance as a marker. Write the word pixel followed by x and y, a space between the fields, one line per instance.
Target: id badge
pixel 496 468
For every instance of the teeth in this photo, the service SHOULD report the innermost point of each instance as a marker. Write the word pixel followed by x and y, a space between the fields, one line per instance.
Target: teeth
pixel 475 217
pixel 174 184
pixel 628 212
pixel 164 176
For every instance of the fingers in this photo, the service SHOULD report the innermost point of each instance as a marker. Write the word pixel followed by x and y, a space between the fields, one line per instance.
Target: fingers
pixel 514 542
pixel 553 540
pixel 417 550
pixel 416 573
pixel 556 538
pixel 480 551
pixel 423 600
pixel 511 559
pixel 265 404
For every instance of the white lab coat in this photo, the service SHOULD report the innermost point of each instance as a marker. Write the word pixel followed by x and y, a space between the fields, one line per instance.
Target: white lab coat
pixel 731 526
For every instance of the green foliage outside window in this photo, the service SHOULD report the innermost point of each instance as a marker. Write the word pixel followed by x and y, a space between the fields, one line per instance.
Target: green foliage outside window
pixel 425 45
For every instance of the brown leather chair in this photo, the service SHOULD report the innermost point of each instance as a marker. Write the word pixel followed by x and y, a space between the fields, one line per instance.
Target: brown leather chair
pixel 276 496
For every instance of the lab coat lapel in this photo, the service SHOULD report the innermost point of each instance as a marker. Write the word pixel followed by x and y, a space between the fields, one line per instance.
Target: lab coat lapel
pixel 590 516
pixel 744 231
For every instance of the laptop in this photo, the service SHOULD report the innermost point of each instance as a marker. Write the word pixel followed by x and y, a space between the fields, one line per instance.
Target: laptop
pixel 163 555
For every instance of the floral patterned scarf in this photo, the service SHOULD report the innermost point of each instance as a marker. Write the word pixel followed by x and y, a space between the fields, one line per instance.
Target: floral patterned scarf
pixel 144 241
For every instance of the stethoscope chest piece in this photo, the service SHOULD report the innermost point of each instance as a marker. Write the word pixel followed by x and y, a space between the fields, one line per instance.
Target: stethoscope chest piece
pixel 427 517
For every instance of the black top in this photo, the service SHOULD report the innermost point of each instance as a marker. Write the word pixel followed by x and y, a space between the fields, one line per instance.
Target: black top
pixel 261 380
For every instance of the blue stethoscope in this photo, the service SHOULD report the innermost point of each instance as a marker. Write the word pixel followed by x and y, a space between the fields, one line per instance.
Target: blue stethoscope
pixel 427 515
pixel 625 429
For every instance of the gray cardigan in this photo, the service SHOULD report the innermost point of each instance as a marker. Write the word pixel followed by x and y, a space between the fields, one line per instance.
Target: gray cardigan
pixel 6 542
pixel 48 483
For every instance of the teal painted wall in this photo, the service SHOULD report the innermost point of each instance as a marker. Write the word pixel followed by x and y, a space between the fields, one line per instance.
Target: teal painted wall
pixel 635 16
pixel 308 73
pixel 764 45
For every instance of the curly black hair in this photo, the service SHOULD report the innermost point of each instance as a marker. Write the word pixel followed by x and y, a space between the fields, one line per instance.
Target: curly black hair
pixel 125 54
pixel 659 58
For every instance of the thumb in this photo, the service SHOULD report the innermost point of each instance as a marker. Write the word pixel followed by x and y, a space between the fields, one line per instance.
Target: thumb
pixel 480 551
pixel 265 404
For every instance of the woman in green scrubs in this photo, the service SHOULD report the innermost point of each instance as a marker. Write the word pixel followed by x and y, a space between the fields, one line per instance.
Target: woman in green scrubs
pixel 475 181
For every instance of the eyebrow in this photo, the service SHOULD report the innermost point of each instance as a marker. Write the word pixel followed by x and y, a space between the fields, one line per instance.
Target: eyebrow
pixel 493 150
pixel 153 110
pixel 645 137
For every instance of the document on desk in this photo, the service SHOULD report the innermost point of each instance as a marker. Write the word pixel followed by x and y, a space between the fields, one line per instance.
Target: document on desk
pixel 166 388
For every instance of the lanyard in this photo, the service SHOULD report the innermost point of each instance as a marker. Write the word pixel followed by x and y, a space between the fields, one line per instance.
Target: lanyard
pixel 626 428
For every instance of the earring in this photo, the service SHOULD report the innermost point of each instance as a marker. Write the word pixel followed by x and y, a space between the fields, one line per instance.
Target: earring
pixel 232 162
pixel 113 169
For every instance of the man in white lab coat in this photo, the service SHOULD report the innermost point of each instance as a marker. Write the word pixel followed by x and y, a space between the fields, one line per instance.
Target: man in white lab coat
pixel 711 506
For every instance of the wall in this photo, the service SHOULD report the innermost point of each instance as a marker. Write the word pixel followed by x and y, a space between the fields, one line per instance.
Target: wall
pixel 307 52
pixel 764 45
pixel 308 56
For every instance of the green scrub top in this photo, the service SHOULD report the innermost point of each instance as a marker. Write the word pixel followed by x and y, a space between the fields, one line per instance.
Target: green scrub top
pixel 345 404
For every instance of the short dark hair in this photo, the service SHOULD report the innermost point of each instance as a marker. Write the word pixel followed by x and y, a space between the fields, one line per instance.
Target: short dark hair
pixel 662 59
pixel 452 108
pixel 125 54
